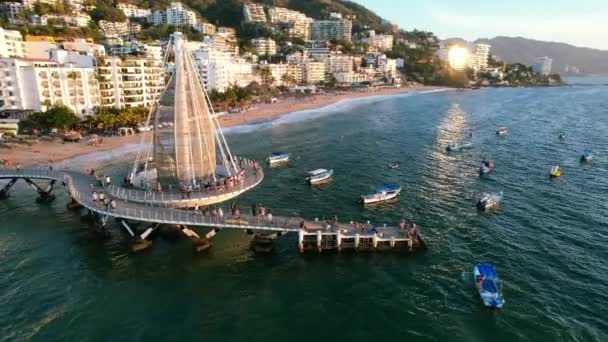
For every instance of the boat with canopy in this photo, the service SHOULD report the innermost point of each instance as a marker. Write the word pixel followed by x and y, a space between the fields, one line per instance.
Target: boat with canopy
pixel 383 193
pixel 319 176
pixel 277 158
pixel 587 155
pixel 489 201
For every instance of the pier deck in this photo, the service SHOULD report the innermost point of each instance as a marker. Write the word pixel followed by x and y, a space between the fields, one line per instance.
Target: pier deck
pixel 317 235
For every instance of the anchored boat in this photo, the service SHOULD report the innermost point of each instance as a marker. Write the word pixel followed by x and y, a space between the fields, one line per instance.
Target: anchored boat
pixel 453 147
pixel 487 282
pixel 587 155
pixel 487 166
pixel 319 176
pixel 489 201
pixel 383 193
pixel 502 131
pixel 555 172
pixel 278 158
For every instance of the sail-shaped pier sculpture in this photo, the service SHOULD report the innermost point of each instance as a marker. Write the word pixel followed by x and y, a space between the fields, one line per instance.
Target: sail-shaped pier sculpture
pixel 190 161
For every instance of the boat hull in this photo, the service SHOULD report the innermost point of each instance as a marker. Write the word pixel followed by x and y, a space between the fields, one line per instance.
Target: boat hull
pixel 488 291
pixel 380 198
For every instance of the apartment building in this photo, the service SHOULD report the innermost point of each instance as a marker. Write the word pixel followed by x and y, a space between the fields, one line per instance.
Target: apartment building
pixel 293 71
pixel 130 82
pixel 314 72
pixel 478 58
pixel 264 46
pixel 334 28
pixel 383 42
pixel 11 44
pixel 175 14
pixel 30 84
pixel 132 11
pixel 205 28
pixel 220 70
pixel 254 13
pixel 117 29
pixel 298 24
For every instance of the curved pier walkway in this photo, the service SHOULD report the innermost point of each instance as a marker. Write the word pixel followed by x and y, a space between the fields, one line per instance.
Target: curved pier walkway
pixel 316 235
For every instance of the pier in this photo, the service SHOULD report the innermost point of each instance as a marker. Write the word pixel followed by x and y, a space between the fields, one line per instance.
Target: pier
pixel 313 235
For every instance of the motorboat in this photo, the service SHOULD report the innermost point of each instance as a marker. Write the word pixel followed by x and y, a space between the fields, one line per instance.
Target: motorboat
pixel 489 201
pixel 319 176
pixel 383 193
pixel 502 131
pixel 487 166
pixel 562 136
pixel 278 158
pixel 453 147
pixel 555 172
pixel 587 155
pixel 393 165
pixel 488 285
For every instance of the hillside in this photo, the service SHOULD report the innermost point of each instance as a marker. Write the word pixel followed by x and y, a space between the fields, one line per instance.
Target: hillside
pixel 509 49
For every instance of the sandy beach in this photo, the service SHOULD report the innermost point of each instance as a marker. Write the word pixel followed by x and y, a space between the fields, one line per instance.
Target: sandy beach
pixel 40 152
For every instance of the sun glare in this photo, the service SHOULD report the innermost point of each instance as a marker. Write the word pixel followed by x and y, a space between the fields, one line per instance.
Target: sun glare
pixel 458 57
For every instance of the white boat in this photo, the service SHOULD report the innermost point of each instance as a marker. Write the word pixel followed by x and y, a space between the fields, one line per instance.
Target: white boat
pixel 457 147
pixel 278 157
pixel 502 131
pixel 393 165
pixel 383 193
pixel 319 176
pixel 489 201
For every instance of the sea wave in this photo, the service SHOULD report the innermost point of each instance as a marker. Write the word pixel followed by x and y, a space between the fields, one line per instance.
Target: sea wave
pixel 341 106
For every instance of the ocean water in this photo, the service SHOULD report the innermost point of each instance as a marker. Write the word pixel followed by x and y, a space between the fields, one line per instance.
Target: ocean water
pixel 60 282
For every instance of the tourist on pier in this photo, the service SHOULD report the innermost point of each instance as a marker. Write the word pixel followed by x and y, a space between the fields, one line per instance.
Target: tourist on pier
pixel 220 213
pixel 269 217
pixel 108 180
pixel 102 197
pixel 262 211
pixel 237 211
pixel 112 204
pixel 356 225
pixel 196 209
pixel 254 210
pixel 95 196
pixel 18 167
pixel 334 220
pixel 412 234
pixel 402 225
pixel 303 225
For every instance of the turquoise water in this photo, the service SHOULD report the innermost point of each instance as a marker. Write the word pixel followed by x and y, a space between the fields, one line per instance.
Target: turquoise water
pixel 60 281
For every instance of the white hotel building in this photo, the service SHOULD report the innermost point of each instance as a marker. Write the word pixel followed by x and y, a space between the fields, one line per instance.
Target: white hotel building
pixel 11 44
pixel 220 70
pixel 31 84
pixel 130 82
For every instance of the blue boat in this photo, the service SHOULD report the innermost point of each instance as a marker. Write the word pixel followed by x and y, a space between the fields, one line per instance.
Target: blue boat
pixel 278 157
pixel 487 282
pixel 587 155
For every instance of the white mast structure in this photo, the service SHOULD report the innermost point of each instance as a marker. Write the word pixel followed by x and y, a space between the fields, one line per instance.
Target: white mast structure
pixel 199 143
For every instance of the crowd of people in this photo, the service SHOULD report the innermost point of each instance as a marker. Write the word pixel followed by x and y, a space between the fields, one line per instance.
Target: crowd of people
pixel 103 200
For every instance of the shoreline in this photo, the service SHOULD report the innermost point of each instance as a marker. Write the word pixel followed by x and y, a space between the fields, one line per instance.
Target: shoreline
pixel 66 154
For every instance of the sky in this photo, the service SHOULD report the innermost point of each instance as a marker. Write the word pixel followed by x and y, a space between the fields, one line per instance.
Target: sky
pixel 577 22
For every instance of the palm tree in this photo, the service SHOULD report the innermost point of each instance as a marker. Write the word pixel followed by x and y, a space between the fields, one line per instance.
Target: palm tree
pixel 287 79
pixel 266 76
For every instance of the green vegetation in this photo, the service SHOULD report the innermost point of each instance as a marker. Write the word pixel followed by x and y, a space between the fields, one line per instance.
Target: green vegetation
pixel 108 13
pixel 58 117
pixel 114 117
pixel 163 31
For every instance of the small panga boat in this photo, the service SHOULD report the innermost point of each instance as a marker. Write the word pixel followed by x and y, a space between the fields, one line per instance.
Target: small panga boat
pixel 393 165
pixel 453 147
pixel 487 282
pixel 487 166
pixel 383 193
pixel 587 155
pixel 556 171
pixel 489 201
pixel 319 176
pixel 278 157
pixel 502 131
